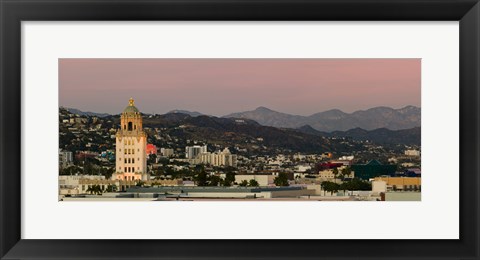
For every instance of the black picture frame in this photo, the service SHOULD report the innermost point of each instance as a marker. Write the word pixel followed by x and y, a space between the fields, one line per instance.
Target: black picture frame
pixel 13 12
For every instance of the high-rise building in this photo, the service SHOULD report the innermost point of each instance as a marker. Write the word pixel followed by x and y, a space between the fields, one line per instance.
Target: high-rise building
pixel 223 158
pixel 191 152
pixel 131 146
pixel 65 158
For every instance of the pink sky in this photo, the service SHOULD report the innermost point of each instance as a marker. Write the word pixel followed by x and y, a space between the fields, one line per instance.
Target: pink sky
pixel 222 86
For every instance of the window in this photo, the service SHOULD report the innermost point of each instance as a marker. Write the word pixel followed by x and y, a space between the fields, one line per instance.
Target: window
pixel 125 151
pixel 130 126
pixel 133 151
pixel 125 169
pixel 128 160
pixel 125 160
pixel 133 160
pixel 120 159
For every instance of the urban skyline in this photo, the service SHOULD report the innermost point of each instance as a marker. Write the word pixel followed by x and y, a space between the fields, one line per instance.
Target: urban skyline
pixel 271 130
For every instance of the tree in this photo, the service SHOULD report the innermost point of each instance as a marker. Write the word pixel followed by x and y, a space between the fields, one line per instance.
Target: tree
pixel 344 186
pixel 201 178
pixel 330 186
pixel 229 179
pixel 356 184
pixel 151 158
pixel 253 183
pixel 88 168
pixel 323 185
pixel 107 172
pixel 281 179
pixel 111 188
pixel 94 189
pixel 214 180
pixel 346 172
pixel 244 183
pixel 335 173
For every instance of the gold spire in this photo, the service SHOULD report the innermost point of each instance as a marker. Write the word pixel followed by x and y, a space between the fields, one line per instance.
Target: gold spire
pixel 131 102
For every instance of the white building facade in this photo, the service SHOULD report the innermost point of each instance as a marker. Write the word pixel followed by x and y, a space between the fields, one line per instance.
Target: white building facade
pixel 131 146
pixel 191 152
pixel 223 158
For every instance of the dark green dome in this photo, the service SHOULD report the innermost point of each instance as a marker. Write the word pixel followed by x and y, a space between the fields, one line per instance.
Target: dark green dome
pixel 131 108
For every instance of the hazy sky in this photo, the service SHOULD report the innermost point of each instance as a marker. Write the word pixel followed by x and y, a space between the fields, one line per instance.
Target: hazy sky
pixel 222 86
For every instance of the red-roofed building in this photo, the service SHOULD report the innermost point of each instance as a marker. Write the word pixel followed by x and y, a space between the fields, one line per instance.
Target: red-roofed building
pixel 151 149
pixel 329 165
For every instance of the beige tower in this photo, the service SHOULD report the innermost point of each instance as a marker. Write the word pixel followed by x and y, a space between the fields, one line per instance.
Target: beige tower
pixel 131 145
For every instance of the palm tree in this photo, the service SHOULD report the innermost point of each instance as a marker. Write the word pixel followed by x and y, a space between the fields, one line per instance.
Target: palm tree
pixel 253 183
pixel 324 187
pixel 97 190
pixel 335 173
pixel 343 187
pixel 346 172
pixel 111 188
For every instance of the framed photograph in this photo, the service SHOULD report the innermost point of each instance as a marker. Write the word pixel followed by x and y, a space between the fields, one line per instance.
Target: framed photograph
pixel 239 129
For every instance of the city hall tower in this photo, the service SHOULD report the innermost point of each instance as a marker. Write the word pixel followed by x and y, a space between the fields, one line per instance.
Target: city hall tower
pixel 131 145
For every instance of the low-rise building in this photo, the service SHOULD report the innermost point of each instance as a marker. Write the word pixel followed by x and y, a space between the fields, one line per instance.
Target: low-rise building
pixel 328 174
pixel 399 183
pixel 167 152
pixel 373 169
pixel 412 152
pixel 262 179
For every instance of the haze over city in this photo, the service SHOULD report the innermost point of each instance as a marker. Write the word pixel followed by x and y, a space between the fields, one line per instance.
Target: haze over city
pixel 222 86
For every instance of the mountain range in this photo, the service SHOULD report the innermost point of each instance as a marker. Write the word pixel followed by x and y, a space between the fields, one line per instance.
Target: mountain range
pixel 233 131
pixel 328 121
pixel 190 113
pixel 83 113
pixel 230 132
pixel 337 120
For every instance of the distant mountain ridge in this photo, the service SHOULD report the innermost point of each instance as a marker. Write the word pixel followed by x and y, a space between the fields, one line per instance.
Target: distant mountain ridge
pixel 87 113
pixel 190 113
pixel 337 120
pixel 328 121
pixel 234 132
